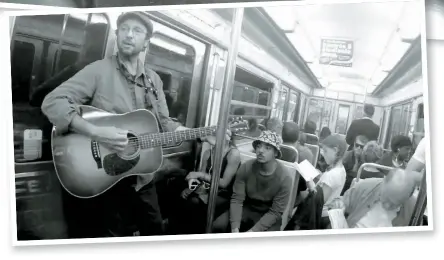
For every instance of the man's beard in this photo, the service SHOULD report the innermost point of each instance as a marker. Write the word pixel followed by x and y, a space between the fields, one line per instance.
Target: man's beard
pixel 133 53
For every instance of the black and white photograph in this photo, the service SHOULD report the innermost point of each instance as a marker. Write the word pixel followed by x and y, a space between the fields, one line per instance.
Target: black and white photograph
pixel 262 119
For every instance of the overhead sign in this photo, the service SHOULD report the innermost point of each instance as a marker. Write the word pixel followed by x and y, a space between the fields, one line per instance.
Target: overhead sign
pixel 336 52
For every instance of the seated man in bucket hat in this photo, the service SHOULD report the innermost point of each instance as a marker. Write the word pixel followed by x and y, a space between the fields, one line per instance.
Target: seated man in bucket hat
pixel 261 190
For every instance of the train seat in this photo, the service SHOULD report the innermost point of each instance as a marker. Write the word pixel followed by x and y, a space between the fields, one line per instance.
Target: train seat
pixel 289 152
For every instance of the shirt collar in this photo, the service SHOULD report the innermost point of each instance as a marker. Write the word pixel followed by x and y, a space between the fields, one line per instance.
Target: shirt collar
pixel 122 67
pixel 256 167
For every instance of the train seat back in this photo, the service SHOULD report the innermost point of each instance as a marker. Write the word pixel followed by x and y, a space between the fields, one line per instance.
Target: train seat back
pixel 288 153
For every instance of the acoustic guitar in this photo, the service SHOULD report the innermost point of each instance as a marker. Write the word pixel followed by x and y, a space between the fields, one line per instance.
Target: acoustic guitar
pixel 87 169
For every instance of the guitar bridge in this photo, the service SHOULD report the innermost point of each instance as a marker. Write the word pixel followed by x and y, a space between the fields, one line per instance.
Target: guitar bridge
pixel 95 150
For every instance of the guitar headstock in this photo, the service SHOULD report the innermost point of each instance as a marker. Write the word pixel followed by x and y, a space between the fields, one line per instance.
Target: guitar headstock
pixel 238 124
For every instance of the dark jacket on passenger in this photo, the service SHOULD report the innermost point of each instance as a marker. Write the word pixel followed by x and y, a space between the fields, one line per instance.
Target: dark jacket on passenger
pixel 363 126
pixel 309 212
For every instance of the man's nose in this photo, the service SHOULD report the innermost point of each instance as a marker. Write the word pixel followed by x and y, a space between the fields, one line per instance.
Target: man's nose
pixel 130 33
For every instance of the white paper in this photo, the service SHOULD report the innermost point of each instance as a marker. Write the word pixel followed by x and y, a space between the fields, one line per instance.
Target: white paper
pixel 307 170
pixel 337 219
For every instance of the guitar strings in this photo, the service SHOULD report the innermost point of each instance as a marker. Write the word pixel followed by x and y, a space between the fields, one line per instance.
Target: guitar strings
pixel 132 142
pixel 145 139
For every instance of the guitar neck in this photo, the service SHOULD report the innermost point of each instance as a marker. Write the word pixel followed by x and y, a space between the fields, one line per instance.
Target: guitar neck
pixel 170 138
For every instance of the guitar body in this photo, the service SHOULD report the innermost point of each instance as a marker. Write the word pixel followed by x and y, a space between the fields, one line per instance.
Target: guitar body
pixel 87 169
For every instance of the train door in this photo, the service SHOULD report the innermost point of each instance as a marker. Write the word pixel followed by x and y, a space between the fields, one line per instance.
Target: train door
pixel 292 108
pixel 303 108
pixel 342 118
pixel 34 46
pixel 359 111
pixel 399 122
pixel 281 102
pixel 416 122
pixel 320 112
pixel 419 129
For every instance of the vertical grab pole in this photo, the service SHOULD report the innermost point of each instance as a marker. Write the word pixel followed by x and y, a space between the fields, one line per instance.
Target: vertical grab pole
pixel 60 45
pixel 227 92
pixel 323 109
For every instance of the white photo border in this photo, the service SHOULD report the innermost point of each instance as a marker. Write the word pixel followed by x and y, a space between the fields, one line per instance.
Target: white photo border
pixel 7 96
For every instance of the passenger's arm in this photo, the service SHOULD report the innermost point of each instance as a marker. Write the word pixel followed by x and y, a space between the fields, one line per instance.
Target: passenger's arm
pixel 61 105
pixel 280 202
pixel 415 165
pixel 417 162
pixel 238 197
pixel 201 175
pixel 229 173
pixel 327 190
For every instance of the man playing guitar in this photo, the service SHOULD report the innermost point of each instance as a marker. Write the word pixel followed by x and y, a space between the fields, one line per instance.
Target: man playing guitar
pixel 118 84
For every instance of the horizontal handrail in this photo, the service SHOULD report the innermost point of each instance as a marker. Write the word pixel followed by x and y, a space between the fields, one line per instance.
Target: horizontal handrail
pixel 378 166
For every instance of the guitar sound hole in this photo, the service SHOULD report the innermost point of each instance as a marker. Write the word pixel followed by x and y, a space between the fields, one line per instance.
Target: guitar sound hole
pixel 132 149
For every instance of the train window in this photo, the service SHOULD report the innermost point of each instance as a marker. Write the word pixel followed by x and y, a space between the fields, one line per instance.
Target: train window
pixel 33 60
pixel 251 96
pixel 280 106
pixel 67 58
pixel 174 62
pixel 264 98
pixel 292 106
pixel 319 113
pixel 342 119
pixel 245 93
pixel 22 61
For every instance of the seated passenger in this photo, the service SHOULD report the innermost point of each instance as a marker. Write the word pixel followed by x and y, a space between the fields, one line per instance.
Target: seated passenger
pixel 378 202
pixel 372 153
pixel 332 181
pixel 325 132
pixel 290 136
pixel 401 147
pixel 261 191
pixel 196 201
pixel 352 160
pixel 310 128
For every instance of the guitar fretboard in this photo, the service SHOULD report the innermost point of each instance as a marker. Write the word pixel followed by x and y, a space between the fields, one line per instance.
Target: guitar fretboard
pixel 170 138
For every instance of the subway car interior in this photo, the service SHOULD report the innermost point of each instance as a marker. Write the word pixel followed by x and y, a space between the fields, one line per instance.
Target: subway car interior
pixel 317 66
